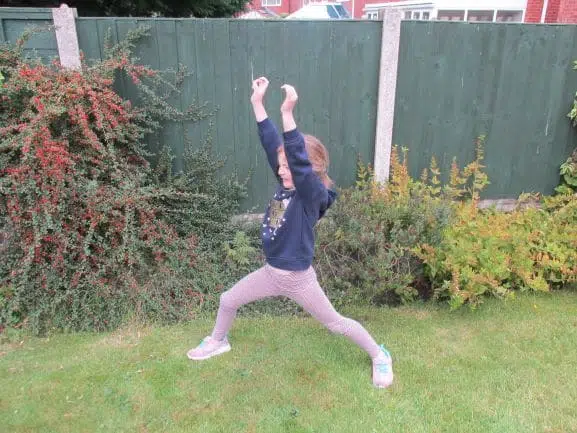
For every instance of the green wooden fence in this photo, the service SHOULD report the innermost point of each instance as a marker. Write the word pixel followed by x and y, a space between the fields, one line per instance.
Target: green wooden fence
pixel 334 66
pixel 14 22
pixel 512 82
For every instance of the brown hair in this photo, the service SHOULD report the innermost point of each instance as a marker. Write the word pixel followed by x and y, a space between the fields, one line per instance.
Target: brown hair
pixel 318 157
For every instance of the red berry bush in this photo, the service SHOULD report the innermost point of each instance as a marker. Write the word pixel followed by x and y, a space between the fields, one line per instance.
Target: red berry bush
pixel 84 239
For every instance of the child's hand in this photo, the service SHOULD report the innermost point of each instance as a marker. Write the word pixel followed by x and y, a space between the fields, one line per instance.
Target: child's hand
pixel 290 99
pixel 259 87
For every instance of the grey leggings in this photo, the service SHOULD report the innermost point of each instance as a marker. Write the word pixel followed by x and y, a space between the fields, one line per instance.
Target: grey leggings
pixel 300 286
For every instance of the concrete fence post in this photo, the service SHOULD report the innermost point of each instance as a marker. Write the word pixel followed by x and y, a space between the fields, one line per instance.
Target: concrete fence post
pixel 65 23
pixel 387 90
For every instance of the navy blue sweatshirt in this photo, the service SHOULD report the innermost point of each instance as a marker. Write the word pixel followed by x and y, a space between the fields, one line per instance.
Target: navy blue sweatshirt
pixel 288 236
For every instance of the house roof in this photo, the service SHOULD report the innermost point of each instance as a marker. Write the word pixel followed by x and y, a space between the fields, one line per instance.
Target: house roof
pixel 321 11
pixel 251 15
pixel 258 14
pixel 450 4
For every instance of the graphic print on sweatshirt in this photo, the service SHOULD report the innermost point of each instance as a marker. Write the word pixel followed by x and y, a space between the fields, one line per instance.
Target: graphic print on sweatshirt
pixel 277 209
pixel 276 212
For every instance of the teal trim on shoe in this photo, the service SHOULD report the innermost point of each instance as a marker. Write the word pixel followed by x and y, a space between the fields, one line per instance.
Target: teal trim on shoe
pixel 385 351
pixel 383 368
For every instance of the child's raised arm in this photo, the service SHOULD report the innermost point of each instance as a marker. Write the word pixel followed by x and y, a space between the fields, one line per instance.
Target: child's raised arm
pixel 267 132
pixel 259 87
pixel 307 183
pixel 286 109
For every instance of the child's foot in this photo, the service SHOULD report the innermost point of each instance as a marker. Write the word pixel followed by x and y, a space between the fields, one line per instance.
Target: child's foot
pixel 383 369
pixel 208 348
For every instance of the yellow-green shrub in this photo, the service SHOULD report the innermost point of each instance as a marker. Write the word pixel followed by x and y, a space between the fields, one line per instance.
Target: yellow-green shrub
pixel 365 249
pixel 495 253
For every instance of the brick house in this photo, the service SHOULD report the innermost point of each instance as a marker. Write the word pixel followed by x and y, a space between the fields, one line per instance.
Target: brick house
pixel 297 9
pixel 278 7
pixel 531 11
pixel 449 10
pixel 473 10
pixel 551 11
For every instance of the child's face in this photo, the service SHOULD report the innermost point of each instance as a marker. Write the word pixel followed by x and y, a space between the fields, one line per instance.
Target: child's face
pixel 284 171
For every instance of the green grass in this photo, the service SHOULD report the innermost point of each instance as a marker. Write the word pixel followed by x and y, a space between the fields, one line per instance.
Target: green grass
pixel 507 367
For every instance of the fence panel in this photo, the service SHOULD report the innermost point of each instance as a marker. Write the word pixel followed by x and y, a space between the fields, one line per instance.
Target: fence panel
pixel 512 82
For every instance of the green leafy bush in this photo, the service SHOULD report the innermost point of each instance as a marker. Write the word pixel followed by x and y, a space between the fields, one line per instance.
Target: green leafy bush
pixel 568 169
pixel 365 250
pixel 240 252
pixel 205 200
pixel 495 253
pixel 568 172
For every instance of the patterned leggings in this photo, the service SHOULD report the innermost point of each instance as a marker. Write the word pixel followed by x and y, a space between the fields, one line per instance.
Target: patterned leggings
pixel 300 286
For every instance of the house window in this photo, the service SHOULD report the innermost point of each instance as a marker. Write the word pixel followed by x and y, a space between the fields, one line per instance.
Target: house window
pixel 271 2
pixel 373 15
pixel 451 15
pixel 337 12
pixel 486 16
pixel 417 15
pixel 510 16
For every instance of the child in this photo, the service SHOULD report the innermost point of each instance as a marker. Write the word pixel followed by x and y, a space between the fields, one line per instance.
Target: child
pixel 302 198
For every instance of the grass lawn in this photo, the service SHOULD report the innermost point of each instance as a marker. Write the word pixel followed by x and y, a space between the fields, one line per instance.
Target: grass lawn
pixel 507 367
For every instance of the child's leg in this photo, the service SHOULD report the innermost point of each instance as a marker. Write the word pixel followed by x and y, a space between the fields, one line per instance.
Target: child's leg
pixel 254 286
pixel 306 291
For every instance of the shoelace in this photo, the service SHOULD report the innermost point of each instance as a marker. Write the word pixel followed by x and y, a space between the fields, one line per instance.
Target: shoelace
pixel 384 367
pixel 385 351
